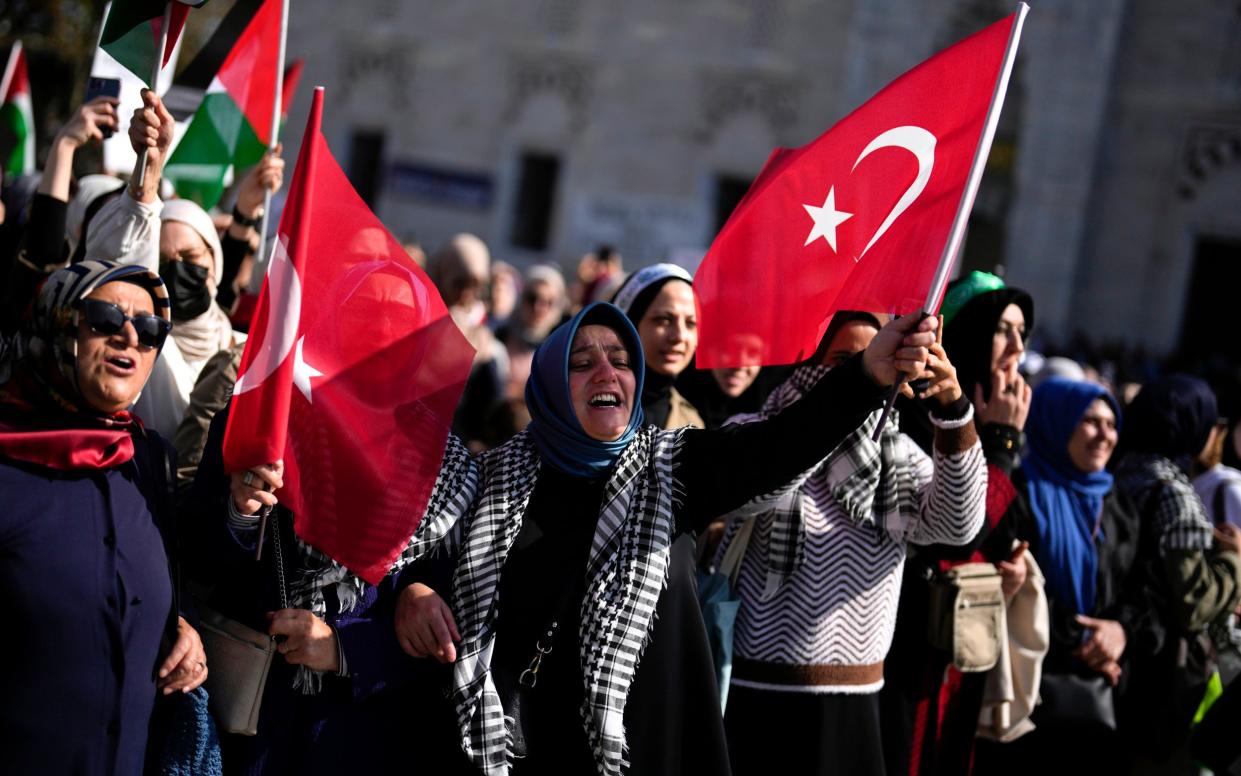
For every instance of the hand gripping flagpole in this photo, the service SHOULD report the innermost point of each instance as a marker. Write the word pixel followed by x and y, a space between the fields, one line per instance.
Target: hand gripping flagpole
pixel 263 259
pixel 957 233
pixel 141 174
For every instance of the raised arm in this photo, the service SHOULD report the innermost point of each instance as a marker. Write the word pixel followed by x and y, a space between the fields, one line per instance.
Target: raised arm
pixel 127 228
pixel 721 470
pixel 953 485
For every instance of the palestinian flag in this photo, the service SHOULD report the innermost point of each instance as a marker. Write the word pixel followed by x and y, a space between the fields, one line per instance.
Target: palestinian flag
pixel 192 80
pixel 16 117
pixel 131 32
pixel 232 126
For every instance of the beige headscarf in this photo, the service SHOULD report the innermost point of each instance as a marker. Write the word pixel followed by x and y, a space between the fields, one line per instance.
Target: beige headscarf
pixel 202 337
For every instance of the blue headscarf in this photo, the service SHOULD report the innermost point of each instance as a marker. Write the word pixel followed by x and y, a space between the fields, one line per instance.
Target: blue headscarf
pixel 553 423
pixel 1066 501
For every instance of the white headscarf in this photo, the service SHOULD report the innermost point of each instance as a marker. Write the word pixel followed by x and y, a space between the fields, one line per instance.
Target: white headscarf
pixel 90 188
pixel 202 337
pixel 643 279
pixel 186 212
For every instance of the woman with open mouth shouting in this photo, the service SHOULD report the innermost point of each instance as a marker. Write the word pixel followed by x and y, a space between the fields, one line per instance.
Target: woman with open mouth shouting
pixel 554 619
pixel 93 632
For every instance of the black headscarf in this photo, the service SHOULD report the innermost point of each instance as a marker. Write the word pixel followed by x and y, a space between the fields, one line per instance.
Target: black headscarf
pixel 968 337
pixel 839 321
pixel 1171 417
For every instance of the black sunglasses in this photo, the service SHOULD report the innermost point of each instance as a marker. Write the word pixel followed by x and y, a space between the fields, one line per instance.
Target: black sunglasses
pixel 107 319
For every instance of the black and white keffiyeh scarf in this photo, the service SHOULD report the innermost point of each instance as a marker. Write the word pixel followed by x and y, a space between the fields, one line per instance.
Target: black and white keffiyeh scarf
pixel 1164 494
pixel 625 576
pixel 869 479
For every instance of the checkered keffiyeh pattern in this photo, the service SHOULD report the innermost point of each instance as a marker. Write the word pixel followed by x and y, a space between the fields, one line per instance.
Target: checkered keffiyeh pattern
pixel 861 474
pixel 1164 492
pixel 625 575
pixel 874 483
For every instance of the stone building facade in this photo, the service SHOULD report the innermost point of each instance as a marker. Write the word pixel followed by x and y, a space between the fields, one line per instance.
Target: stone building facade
pixel 550 126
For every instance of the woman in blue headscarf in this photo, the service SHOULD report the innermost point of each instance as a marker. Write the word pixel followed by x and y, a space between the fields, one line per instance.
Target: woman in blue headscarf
pixel 1085 537
pixel 561 559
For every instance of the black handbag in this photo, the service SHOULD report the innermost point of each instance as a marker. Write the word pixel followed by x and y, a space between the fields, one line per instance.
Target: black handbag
pixel 1070 699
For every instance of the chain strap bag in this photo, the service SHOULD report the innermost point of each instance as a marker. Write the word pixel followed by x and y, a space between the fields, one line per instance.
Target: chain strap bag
pixel 965 617
pixel 240 659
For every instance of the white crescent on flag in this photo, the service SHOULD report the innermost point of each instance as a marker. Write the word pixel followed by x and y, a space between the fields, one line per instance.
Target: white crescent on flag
pixel 916 141
pixel 284 312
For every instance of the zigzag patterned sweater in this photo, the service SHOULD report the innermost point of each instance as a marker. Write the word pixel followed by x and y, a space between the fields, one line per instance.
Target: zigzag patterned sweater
pixel 828 628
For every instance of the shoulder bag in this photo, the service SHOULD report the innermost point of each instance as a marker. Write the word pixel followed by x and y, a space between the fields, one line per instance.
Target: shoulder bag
pixel 240 659
pixel 965 616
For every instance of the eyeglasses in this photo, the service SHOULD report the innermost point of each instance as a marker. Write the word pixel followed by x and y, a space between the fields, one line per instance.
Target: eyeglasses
pixel 107 319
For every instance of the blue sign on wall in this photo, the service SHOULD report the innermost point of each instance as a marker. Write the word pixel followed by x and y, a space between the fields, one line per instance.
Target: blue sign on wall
pixel 441 186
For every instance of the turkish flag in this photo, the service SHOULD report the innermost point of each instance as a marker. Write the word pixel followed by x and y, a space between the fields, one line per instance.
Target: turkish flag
pixel 859 218
pixel 351 374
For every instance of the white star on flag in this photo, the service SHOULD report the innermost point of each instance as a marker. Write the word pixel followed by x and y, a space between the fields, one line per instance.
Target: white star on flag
pixel 302 372
pixel 826 219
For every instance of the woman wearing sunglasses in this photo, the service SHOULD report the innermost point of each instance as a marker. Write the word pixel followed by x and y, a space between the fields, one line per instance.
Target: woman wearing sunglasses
pixel 92 630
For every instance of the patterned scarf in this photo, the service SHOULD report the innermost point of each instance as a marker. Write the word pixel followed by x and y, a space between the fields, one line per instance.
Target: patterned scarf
pixel 625 575
pixel 1166 497
pixel 868 479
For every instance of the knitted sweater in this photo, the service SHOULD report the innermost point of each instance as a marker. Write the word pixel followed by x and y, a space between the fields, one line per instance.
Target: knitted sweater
pixel 827 628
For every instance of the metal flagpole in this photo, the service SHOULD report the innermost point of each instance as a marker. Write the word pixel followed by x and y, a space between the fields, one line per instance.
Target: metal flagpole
pixel 957 233
pixel 275 131
pixel 263 259
pixel 141 174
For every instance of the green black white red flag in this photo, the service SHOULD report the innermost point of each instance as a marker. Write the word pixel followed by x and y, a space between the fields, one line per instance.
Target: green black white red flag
pixel 232 126
pixel 132 30
pixel 16 116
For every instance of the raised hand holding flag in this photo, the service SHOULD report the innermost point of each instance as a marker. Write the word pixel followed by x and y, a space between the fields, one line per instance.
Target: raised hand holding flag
pixel 141 35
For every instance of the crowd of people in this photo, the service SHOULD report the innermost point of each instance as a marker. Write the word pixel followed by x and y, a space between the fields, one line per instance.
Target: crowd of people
pixel 1027 569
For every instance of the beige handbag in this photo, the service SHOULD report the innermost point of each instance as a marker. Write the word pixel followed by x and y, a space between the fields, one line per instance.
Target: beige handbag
pixel 966 616
pixel 239 658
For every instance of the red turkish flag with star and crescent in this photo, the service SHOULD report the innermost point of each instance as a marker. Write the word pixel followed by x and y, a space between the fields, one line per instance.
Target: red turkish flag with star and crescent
pixel 857 219
pixel 351 374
